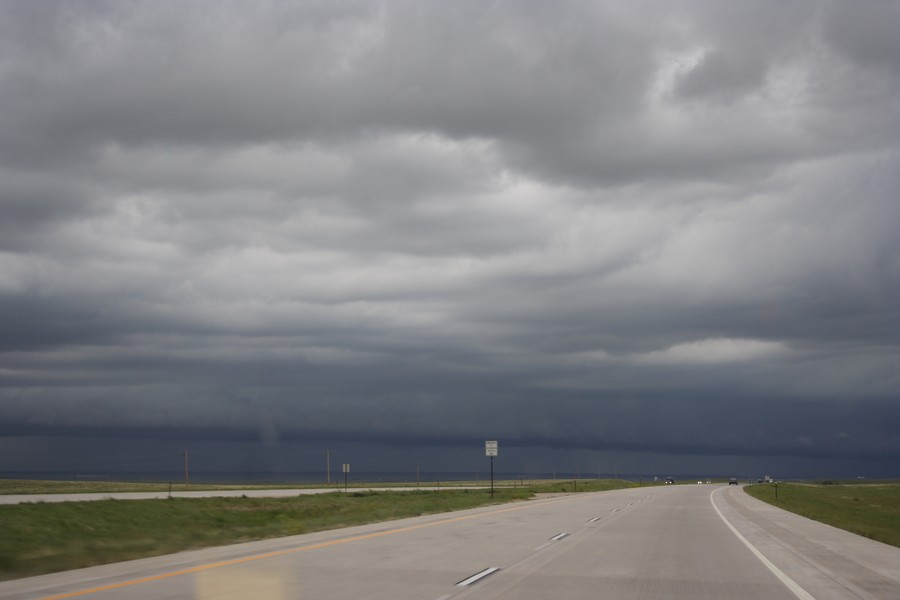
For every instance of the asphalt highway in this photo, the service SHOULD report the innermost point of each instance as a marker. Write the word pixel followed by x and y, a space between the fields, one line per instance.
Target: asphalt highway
pixel 692 542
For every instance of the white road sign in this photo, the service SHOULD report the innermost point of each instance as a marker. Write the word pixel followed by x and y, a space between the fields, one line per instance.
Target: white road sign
pixel 490 448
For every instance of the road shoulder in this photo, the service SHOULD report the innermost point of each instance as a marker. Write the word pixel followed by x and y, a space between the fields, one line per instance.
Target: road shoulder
pixel 827 562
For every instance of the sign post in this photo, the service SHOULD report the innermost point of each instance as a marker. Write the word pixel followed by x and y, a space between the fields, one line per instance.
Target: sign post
pixel 490 449
pixel 346 472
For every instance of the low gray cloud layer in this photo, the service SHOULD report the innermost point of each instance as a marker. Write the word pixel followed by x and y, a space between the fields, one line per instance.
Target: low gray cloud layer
pixel 664 228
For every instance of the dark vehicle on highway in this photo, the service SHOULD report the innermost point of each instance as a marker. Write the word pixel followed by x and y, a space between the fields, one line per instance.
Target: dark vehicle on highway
pixel 732 481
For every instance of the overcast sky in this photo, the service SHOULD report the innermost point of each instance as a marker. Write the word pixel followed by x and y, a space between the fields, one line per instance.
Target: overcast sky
pixel 634 236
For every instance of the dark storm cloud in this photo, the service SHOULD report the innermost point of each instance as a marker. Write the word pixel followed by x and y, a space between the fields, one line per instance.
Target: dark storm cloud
pixel 664 228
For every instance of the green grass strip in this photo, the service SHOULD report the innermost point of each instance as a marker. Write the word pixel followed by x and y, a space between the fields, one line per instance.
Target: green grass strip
pixel 871 510
pixel 47 537
pixel 36 486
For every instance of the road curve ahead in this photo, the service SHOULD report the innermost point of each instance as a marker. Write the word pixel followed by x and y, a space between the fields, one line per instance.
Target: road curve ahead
pixel 692 542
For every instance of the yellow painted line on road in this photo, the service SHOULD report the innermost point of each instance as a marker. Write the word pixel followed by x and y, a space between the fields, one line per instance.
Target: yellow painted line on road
pixel 255 557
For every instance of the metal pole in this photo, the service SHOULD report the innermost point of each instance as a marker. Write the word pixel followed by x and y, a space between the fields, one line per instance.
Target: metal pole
pixel 328 467
pixel 492 477
pixel 185 454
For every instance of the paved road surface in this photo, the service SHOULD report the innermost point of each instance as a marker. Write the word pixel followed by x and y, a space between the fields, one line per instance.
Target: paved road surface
pixel 691 542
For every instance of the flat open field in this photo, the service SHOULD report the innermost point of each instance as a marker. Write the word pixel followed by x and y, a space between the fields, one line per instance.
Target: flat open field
pixel 49 486
pixel 870 509
pixel 44 537
pixel 34 486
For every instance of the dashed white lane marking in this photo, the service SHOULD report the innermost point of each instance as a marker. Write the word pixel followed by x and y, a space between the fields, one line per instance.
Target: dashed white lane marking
pixel 594 520
pixel 555 538
pixel 790 583
pixel 478 576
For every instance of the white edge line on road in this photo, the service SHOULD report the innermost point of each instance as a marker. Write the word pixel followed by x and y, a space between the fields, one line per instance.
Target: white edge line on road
pixel 558 537
pixel 478 576
pixel 790 583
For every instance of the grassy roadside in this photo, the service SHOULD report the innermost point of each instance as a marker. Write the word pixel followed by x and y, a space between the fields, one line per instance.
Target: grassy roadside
pixel 36 486
pixel 549 486
pixel 871 509
pixel 33 486
pixel 44 537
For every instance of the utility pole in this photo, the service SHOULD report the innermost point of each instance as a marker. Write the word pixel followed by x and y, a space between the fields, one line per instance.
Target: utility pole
pixel 418 466
pixel 185 454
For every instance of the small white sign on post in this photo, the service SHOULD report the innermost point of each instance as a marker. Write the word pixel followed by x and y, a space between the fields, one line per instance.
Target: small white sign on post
pixel 490 448
pixel 346 467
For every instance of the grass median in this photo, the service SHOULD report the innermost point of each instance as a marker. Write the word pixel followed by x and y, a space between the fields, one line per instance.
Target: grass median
pixel 871 510
pixel 34 486
pixel 38 486
pixel 44 537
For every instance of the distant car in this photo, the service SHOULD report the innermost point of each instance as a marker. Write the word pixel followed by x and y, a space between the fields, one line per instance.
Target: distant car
pixel 732 481
pixel 670 480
